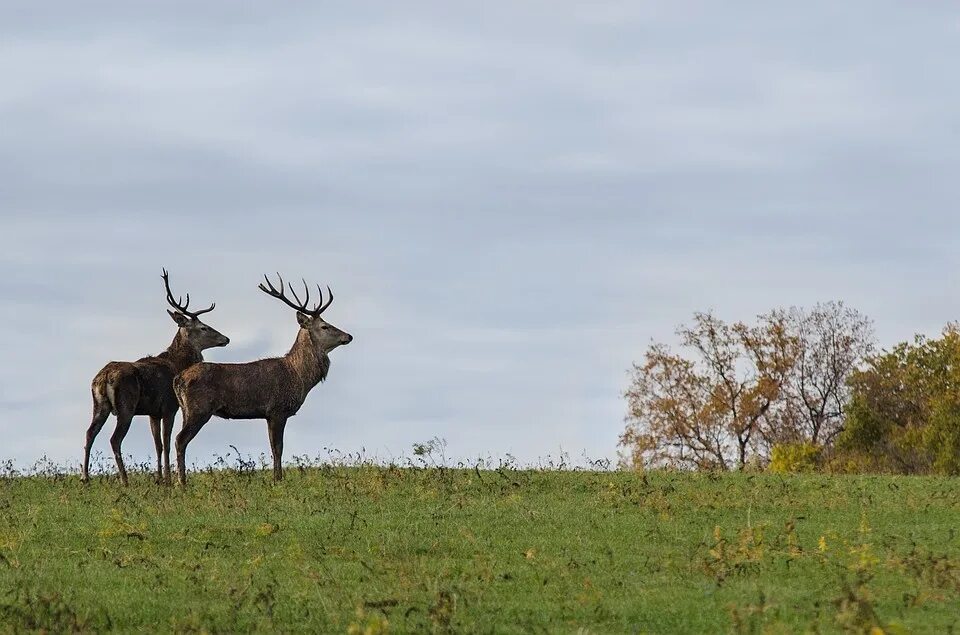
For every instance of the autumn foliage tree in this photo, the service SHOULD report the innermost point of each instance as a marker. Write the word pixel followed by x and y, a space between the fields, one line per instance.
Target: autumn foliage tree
pixel 706 412
pixel 736 391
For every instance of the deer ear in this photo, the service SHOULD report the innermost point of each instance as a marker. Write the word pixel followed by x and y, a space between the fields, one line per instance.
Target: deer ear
pixel 303 319
pixel 179 318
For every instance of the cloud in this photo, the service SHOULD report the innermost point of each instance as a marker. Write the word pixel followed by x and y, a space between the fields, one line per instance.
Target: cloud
pixel 509 203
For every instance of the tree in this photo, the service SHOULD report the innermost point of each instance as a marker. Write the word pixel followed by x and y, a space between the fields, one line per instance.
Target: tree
pixel 706 413
pixel 670 421
pixel 904 413
pixel 833 340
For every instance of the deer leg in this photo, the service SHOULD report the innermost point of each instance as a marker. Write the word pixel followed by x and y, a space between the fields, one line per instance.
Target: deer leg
pixel 275 430
pixel 158 444
pixel 100 414
pixel 167 431
pixel 123 426
pixel 191 426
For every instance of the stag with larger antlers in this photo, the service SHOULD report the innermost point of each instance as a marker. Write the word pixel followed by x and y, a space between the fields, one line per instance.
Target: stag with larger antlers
pixel 271 389
pixel 145 387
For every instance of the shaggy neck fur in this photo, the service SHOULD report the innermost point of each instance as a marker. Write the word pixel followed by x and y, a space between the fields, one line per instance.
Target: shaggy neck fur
pixel 181 353
pixel 310 363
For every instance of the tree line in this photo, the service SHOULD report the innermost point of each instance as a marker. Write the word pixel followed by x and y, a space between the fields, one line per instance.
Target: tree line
pixel 796 390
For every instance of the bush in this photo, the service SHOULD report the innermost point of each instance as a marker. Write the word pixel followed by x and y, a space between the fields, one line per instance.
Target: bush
pixel 795 458
pixel 942 437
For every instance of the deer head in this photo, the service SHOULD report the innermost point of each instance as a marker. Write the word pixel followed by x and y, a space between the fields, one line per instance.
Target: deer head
pixel 198 334
pixel 325 336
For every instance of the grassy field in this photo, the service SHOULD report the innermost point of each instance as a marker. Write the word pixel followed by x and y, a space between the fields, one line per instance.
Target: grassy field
pixel 379 549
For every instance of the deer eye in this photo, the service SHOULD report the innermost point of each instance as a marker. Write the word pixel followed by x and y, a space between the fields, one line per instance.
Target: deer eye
pixel 324 327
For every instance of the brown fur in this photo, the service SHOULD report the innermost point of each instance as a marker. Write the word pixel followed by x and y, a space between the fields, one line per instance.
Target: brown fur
pixel 145 387
pixel 271 389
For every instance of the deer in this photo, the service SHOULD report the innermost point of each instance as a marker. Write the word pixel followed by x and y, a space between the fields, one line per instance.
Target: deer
pixel 273 389
pixel 145 387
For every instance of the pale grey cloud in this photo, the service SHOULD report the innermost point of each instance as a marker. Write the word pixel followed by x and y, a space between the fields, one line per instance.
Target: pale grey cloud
pixel 509 201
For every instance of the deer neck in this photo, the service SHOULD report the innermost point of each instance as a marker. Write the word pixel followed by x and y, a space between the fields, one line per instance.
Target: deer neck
pixel 308 362
pixel 181 353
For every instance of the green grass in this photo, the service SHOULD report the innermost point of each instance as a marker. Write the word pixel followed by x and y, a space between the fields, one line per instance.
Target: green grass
pixel 367 549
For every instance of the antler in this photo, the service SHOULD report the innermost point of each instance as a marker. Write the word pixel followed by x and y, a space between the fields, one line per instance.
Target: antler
pixel 178 304
pixel 273 292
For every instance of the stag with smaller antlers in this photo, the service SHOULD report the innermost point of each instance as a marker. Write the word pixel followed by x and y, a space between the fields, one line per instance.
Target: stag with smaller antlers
pixel 145 387
pixel 271 389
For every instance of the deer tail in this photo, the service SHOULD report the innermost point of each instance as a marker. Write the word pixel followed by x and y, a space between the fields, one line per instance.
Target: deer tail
pixel 117 383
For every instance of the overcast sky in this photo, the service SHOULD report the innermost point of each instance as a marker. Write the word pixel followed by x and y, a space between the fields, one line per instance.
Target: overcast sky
pixel 509 203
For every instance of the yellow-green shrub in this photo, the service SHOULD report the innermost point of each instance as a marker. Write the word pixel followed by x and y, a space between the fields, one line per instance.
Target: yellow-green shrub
pixel 794 458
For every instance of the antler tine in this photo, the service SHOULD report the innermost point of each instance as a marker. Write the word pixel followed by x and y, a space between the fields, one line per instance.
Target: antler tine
pixel 329 300
pixel 177 304
pixel 166 283
pixel 306 290
pixel 212 306
pixel 269 289
pixel 306 301
pixel 263 288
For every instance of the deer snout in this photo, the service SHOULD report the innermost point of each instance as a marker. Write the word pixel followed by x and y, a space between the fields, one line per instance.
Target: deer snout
pixel 346 339
pixel 224 340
